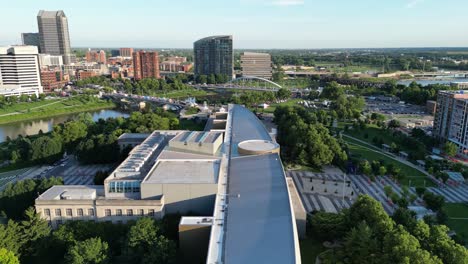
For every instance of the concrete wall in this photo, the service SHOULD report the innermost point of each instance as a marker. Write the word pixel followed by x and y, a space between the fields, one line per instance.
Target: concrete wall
pixel 183 198
pixel 202 147
pixel 193 242
pixel 99 208
pixel 300 213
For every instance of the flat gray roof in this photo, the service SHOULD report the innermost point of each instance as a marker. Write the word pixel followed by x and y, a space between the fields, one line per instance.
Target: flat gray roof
pixel 178 155
pixel 246 126
pixel 184 171
pixel 76 192
pixel 259 225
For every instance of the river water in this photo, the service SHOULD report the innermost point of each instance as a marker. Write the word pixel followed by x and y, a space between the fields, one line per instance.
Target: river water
pixel 32 127
pixel 425 82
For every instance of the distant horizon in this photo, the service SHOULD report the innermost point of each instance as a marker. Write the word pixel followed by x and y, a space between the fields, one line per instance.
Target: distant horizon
pixel 364 48
pixel 255 24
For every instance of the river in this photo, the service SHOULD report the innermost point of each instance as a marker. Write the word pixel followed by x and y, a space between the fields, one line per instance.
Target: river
pixel 32 127
pixel 425 82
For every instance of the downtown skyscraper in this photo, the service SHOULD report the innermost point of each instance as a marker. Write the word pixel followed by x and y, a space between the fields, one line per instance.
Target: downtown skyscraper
pixel 213 55
pixel 53 34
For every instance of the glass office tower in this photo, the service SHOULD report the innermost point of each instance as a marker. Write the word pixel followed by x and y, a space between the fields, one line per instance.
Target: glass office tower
pixel 213 55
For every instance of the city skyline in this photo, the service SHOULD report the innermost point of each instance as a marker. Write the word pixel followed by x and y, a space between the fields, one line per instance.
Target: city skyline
pixel 266 24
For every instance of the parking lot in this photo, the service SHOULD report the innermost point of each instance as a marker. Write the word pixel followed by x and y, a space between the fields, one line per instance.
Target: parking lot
pixel 73 173
pixel 394 108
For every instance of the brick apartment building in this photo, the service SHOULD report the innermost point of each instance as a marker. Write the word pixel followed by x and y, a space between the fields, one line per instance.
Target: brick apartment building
pixel 51 80
pixel 81 74
pixel 126 52
pixel 145 65
pixel 96 56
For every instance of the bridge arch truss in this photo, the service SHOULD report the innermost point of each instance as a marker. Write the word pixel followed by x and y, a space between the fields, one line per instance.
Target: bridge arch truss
pixel 245 79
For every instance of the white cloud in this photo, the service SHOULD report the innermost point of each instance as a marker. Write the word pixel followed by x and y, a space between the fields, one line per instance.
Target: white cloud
pixel 413 3
pixel 287 2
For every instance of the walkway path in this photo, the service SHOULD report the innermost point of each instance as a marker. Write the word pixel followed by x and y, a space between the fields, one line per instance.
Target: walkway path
pixel 37 107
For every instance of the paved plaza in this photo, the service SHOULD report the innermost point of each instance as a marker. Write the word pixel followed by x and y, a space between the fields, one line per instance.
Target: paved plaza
pixel 82 174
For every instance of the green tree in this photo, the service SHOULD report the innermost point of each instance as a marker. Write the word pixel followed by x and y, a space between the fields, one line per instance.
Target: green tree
pixel 332 91
pixel 10 237
pixel 382 170
pixel 388 190
pixel 361 245
pixel 443 246
pixel 211 79
pixel 8 257
pixel 400 246
pixel 328 226
pixel 369 210
pixel 283 94
pixel 46 149
pixel 33 229
pixel 394 124
pixel 146 244
pixel 92 251
pixel 450 149
pixel 433 201
pixel 73 131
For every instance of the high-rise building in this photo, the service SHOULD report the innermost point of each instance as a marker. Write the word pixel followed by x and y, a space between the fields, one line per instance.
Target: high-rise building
pixel 145 65
pixel 256 64
pixel 126 52
pixel 213 55
pixel 444 111
pixel 115 53
pixel 19 66
pixel 96 56
pixel 53 34
pixel 451 119
pixel 30 39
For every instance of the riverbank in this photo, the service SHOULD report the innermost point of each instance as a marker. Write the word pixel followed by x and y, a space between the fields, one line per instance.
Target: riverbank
pixel 51 108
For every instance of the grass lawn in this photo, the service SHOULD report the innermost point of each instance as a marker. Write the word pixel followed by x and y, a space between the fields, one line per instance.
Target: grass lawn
pixel 271 109
pixel 19 107
pixel 310 249
pixel 359 151
pixel 192 111
pixel 372 131
pixel 48 108
pixel 460 226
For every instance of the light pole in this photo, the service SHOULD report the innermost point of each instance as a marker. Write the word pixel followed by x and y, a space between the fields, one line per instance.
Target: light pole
pixel 344 182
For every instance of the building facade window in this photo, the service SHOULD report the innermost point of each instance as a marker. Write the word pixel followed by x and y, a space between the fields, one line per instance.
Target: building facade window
pixel 141 212
pixel 124 186
pixel 91 212
pixel 69 212
pixel 107 212
pixel 47 212
pixel 118 212
pixel 129 212
pixel 58 212
pixel 79 212
pixel 151 212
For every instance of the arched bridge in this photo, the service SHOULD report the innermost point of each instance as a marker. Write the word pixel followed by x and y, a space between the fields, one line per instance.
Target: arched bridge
pixel 254 78
pixel 246 83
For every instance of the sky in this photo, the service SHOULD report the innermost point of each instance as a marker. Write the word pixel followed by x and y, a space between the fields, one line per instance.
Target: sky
pixel 254 24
